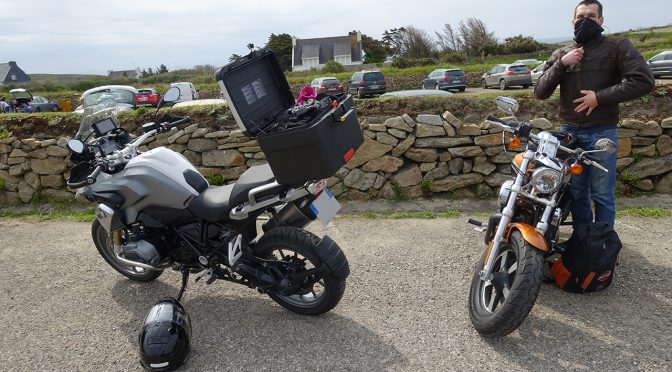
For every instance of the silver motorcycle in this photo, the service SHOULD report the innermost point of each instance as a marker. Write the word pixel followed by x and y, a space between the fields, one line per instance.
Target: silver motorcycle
pixel 523 235
pixel 155 211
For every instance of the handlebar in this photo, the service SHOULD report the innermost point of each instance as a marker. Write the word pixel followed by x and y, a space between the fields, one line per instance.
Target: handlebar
pixel 89 180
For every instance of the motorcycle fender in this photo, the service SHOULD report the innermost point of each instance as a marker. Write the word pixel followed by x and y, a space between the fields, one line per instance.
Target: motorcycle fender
pixel 331 254
pixel 530 234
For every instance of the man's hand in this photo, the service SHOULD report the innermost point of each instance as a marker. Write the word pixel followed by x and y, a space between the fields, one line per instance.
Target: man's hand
pixel 573 57
pixel 587 102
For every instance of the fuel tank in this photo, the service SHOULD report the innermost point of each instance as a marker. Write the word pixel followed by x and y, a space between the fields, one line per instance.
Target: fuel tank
pixel 152 179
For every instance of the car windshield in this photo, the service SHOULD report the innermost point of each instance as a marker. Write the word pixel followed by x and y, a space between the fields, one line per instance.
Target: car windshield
pixel 145 91
pixel 93 113
pixel 330 82
pixel 113 94
pixel 371 76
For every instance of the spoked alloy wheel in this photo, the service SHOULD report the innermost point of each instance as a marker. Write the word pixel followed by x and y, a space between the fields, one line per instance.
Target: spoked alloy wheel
pixel 103 242
pixel 500 304
pixel 295 249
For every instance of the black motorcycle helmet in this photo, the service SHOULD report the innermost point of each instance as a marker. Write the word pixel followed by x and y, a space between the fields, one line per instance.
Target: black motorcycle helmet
pixel 165 335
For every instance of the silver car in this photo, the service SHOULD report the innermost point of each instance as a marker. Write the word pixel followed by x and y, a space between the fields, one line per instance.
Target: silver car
pixel 504 76
pixel 661 64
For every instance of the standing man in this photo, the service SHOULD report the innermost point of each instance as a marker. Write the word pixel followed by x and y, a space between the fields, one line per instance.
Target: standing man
pixel 595 75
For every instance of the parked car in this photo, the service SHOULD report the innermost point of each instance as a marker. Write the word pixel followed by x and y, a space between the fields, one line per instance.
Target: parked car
pixel 661 64
pixel 41 104
pixel 21 99
pixel 147 97
pixel 328 85
pixel 536 72
pixel 367 83
pixel 446 79
pixel 123 95
pixel 415 93
pixel 187 91
pixel 527 62
pixel 505 76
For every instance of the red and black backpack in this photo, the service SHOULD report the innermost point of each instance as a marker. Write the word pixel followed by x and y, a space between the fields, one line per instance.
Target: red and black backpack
pixel 589 261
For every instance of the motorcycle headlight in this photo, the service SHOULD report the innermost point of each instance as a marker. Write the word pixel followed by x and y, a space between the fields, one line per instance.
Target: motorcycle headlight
pixel 546 180
pixel 504 192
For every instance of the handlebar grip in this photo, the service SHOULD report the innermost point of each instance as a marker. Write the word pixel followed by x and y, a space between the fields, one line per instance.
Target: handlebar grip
pixel 591 158
pixel 178 122
pixel 496 120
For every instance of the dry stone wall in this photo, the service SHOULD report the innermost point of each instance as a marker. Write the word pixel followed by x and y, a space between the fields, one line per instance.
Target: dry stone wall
pixel 401 157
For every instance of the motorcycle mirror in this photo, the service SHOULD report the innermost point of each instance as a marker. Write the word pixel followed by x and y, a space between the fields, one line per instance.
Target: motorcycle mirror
pixel 507 104
pixel 605 144
pixel 75 146
pixel 172 95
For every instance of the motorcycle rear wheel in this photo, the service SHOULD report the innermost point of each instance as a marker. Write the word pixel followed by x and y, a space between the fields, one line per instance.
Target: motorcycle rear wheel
pixel 498 306
pixel 292 244
pixel 103 242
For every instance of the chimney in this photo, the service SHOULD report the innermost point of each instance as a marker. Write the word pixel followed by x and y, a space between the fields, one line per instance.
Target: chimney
pixel 12 63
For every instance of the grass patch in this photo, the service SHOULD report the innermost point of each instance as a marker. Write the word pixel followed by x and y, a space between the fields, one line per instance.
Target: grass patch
pixel 425 215
pixel 2 183
pixel 215 179
pixel 644 212
pixel 77 216
pixel 4 133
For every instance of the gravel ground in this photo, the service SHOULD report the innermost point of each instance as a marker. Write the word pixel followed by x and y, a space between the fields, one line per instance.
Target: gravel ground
pixel 404 307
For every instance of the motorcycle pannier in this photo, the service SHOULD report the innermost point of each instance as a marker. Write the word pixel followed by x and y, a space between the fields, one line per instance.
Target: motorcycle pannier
pixel 257 93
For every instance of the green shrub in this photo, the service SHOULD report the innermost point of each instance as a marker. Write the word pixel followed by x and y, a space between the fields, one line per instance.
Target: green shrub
pixel 333 67
pixel 4 133
pixel 215 179
pixel 2 183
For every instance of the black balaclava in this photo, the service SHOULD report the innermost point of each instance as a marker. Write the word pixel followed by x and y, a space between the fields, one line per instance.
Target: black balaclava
pixel 585 30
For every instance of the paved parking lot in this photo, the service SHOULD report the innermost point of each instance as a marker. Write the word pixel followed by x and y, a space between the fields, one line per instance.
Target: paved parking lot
pixel 404 308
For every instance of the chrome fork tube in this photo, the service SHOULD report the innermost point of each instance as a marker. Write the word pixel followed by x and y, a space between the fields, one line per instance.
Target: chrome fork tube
pixel 542 225
pixel 507 214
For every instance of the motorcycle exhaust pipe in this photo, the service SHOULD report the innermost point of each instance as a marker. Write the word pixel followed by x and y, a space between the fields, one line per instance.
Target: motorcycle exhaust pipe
pixel 141 265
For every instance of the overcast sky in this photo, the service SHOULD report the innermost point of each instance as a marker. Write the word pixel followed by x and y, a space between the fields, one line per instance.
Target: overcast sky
pixel 92 36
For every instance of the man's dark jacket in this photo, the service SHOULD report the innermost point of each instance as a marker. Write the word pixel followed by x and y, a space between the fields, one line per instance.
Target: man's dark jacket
pixel 611 66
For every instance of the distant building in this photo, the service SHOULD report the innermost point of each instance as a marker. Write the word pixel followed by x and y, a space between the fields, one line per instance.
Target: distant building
pixel 314 53
pixel 133 74
pixel 10 73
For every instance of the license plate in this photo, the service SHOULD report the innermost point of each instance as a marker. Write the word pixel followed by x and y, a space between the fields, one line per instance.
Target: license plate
pixel 456 81
pixel 374 86
pixel 325 206
pixel 142 98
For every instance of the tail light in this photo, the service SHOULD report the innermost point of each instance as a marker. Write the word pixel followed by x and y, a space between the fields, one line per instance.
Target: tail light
pixel 362 82
pixel 464 77
pixel 508 73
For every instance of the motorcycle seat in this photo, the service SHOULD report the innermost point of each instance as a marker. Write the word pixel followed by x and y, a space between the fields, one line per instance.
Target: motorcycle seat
pixel 213 203
pixel 256 176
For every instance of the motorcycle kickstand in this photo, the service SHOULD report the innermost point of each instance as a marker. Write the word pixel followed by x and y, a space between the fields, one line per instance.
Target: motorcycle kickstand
pixel 185 277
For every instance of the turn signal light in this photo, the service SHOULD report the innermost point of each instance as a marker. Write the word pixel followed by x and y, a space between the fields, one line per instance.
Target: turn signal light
pixel 514 142
pixel 576 169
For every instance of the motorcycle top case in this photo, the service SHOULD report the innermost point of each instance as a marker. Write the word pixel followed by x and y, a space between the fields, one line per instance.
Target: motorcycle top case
pixel 257 92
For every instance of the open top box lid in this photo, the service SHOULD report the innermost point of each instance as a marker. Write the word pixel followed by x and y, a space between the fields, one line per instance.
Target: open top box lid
pixel 255 89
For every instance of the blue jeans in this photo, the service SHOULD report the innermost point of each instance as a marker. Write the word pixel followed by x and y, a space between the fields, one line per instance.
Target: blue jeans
pixel 593 184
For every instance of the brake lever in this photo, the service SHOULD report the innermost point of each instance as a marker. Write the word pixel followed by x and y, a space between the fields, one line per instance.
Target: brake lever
pixel 596 165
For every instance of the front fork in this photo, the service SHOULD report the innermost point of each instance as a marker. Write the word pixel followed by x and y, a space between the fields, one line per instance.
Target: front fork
pixel 507 214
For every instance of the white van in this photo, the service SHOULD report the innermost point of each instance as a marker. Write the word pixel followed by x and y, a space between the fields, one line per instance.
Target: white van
pixel 187 91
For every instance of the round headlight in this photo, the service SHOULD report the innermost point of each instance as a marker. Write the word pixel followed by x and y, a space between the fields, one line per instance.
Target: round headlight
pixel 546 180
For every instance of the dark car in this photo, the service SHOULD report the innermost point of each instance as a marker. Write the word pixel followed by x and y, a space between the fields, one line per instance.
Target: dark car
pixel 41 104
pixel 504 76
pixel 147 97
pixel 661 64
pixel 446 79
pixel 328 85
pixel 367 83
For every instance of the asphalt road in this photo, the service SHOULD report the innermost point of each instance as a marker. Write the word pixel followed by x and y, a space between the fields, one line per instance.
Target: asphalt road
pixel 404 307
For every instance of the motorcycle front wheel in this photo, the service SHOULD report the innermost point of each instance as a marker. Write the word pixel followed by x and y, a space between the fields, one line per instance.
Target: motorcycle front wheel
pixel 500 304
pixel 297 247
pixel 103 242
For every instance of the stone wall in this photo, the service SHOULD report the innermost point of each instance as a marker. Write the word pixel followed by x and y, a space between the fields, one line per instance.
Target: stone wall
pixel 402 157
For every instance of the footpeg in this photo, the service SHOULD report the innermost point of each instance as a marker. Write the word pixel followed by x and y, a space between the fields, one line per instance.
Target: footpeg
pixel 205 274
pixel 479 225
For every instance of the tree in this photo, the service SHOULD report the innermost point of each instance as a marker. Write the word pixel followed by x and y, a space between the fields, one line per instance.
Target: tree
pixel 332 67
pixel 150 72
pixel 449 40
pixel 476 38
pixel 162 69
pixel 234 57
pixel 416 43
pixel 522 44
pixel 392 40
pixel 281 44
pixel 144 73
